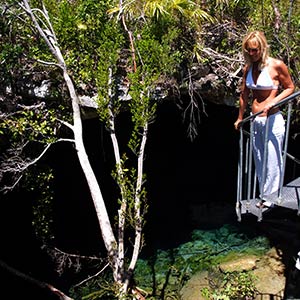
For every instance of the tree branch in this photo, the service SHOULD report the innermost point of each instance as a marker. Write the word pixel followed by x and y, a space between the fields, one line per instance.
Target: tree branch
pixel 34 281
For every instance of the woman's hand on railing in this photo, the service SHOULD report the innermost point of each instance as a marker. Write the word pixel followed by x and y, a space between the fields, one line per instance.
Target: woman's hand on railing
pixel 268 107
pixel 292 97
pixel 237 123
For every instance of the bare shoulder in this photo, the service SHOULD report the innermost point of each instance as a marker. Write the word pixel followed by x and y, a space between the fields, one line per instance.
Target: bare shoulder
pixel 280 73
pixel 277 63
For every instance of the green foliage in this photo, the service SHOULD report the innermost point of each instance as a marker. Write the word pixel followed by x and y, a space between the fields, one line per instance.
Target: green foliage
pixel 40 182
pixel 126 178
pixel 33 125
pixel 226 10
pixel 89 40
pixel 168 270
pixel 206 250
pixel 167 35
pixel 9 54
pixel 100 287
pixel 157 61
pixel 231 286
pixel 109 56
pixel 283 39
pixel 157 53
pixel 164 10
pixel 13 46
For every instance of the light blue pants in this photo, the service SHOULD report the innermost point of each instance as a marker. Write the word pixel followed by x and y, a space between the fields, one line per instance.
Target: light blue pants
pixel 274 162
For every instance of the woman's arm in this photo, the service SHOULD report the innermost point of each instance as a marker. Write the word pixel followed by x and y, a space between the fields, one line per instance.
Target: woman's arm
pixel 243 100
pixel 285 81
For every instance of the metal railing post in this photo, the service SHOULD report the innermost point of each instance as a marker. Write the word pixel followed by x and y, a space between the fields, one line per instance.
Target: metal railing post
pixel 250 160
pixel 240 177
pixel 285 150
pixel 248 163
pixel 264 171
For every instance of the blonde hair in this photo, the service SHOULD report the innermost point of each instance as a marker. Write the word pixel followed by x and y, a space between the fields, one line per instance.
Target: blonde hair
pixel 259 38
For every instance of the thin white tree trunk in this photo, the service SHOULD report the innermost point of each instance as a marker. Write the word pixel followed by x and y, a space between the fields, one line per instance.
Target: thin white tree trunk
pixel 119 267
pixel 103 218
pixel 106 230
pixel 137 204
pixel 115 248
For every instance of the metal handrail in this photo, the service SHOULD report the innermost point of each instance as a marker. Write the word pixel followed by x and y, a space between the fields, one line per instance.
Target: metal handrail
pixel 248 165
pixel 280 103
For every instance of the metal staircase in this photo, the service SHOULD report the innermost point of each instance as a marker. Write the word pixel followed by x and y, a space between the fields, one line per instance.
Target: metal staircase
pixel 288 195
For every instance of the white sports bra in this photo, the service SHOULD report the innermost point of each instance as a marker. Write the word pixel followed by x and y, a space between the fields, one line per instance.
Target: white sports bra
pixel 264 81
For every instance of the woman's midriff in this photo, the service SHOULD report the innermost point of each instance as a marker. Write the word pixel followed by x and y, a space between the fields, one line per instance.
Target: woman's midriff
pixel 261 99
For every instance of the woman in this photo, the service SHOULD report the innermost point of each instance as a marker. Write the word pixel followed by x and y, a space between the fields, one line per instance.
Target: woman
pixel 263 77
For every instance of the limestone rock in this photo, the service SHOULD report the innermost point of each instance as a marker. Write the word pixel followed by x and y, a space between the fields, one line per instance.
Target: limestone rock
pixel 192 290
pixel 268 271
pixel 245 263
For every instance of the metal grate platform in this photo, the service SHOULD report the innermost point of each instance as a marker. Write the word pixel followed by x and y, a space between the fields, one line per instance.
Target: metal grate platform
pixel 290 198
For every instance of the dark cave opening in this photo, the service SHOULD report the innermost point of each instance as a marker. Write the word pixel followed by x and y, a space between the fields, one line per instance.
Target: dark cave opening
pixel 190 185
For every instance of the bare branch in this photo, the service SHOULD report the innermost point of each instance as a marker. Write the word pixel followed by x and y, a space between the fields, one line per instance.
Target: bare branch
pixel 47 63
pixel 193 111
pixel 34 281
pixel 215 55
pixel 47 34
pixel 91 277
pixel 66 124
pixel 15 165
pixel 29 11
pixel 67 260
